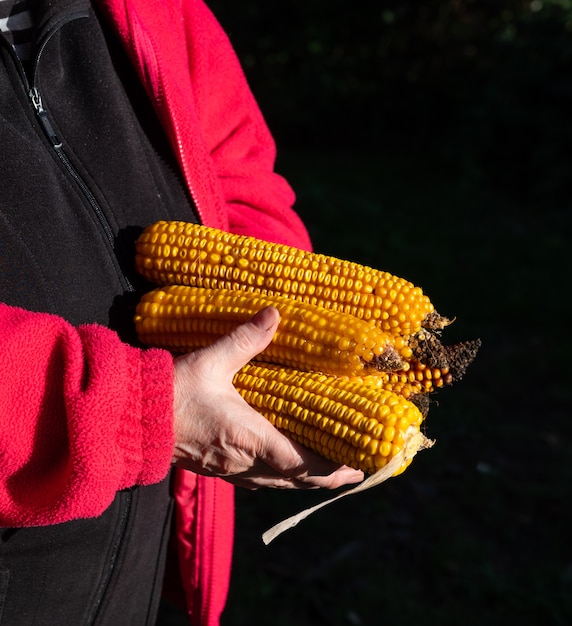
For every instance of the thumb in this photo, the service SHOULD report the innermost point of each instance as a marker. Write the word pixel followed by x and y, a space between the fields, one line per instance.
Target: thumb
pixel 248 339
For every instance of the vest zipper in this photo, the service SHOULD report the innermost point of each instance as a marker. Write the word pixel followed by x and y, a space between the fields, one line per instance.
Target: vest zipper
pixel 57 145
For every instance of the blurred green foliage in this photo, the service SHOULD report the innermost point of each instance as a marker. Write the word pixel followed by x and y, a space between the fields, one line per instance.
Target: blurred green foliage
pixel 487 81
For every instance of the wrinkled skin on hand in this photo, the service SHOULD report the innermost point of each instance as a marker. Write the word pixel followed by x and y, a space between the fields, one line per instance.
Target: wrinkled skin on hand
pixel 218 434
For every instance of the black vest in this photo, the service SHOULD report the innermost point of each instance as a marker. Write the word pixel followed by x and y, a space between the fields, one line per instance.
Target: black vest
pixel 84 166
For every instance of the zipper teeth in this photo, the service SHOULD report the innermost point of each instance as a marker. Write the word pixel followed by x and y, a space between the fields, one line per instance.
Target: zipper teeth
pixel 190 187
pixel 87 193
pixel 75 175
pixel 61 154
pixel 163 95
pixel 41 113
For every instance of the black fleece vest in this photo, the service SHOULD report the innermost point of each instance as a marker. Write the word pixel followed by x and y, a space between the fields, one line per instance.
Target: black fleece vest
pixel 84 167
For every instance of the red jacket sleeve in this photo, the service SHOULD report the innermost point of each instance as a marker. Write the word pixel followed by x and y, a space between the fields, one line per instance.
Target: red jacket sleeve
pixel 82 414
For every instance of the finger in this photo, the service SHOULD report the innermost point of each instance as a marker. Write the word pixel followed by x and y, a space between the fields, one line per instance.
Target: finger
pixel 343 476
pixel 264 482
pixel 294 461
pixel 255 477
pixel 247 340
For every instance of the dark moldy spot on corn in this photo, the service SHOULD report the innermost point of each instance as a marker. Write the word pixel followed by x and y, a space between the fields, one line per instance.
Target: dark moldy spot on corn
pixel 422 402
pixel 435 321
pixel 460 356
pixel 388 361
pixel 427 348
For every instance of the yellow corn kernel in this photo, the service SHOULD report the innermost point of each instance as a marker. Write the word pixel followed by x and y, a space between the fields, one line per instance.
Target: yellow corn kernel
pixel 183 253
pixel 416 379
pixel 360 435
pixel 182 319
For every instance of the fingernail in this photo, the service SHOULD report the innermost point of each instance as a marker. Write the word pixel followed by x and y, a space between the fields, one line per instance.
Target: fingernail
pixel 265 318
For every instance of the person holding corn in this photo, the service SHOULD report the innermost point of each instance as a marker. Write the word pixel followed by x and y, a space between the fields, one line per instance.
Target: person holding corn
pixel 114 459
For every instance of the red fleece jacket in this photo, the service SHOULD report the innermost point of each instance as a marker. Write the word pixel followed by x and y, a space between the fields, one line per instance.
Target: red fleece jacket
pixel 85 415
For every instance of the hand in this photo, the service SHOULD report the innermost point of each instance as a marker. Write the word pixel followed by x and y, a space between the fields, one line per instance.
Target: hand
pixel 218 434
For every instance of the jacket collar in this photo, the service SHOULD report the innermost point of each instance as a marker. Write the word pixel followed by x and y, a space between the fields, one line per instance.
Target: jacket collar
pixel 47 14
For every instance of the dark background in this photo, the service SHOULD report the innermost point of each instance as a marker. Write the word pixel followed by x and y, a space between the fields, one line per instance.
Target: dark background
pixel 432 140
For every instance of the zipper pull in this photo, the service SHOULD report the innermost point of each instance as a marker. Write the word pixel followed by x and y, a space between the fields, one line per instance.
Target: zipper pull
pixel 44 119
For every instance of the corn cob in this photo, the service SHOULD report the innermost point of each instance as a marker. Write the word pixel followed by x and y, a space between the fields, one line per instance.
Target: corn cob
pixel 196 255
pixel 417 379
pixel 309 337
pixel 339 418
